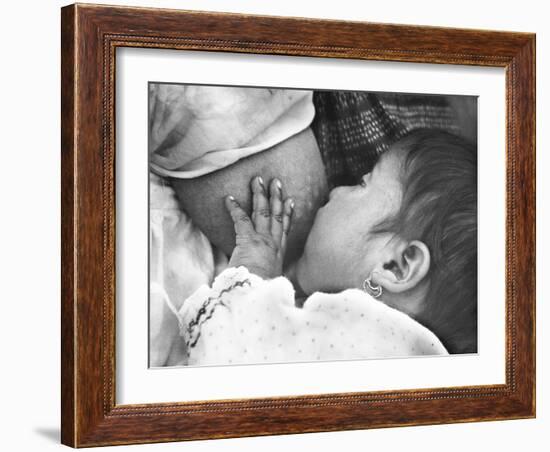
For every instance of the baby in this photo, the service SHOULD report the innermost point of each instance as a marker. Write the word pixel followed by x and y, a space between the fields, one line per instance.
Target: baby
pixel 387 264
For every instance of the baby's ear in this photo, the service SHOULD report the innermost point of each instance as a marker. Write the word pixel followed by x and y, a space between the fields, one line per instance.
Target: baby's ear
pixel 406 265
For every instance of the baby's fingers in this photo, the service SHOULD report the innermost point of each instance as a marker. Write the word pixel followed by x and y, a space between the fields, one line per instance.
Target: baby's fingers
pixel 260 206
pixel 241 221
pixel 276 207
pixel 288 210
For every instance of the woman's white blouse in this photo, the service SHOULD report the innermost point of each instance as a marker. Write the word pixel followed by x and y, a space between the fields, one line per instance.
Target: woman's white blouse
pixel 242 318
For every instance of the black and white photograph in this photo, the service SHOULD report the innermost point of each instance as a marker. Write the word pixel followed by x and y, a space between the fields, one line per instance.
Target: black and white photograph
pixel 235 225
pixel 292 225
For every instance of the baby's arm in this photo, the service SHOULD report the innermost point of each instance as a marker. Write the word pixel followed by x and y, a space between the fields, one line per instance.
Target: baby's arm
pixel 240 319
pixel 245 319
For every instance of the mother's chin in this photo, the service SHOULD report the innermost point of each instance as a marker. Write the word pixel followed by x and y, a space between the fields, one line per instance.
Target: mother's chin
pixel 296 162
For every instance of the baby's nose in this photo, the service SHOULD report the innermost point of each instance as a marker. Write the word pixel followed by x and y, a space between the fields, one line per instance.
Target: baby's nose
pixel 336 190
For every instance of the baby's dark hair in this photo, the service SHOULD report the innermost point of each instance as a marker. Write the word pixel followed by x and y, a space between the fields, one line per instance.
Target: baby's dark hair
pixel 439 207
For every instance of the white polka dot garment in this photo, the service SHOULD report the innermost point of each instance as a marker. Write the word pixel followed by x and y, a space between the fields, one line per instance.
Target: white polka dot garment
pixel 245 319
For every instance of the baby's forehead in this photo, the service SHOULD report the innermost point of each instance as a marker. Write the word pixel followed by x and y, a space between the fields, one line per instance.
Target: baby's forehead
pixel 390 163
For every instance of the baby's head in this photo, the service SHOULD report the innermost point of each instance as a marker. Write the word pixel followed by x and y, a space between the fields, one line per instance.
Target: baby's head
pixel 411 224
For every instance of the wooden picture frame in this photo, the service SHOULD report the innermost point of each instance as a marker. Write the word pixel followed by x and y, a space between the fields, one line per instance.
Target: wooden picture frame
pixel 90 35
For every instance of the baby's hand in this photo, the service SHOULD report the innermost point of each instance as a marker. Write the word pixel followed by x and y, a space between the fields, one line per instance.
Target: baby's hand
pixel 261 240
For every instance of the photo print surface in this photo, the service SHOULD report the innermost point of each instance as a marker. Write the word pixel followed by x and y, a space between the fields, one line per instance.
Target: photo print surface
pixel 292 225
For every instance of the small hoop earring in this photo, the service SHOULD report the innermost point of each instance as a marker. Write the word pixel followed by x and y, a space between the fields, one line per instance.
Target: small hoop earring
pixel 373 289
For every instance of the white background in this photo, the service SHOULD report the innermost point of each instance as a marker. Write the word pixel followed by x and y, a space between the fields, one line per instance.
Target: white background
pixel 137 384
pixel 30 228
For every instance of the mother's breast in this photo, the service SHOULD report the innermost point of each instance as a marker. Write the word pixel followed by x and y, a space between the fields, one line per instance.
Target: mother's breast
pixel 296 162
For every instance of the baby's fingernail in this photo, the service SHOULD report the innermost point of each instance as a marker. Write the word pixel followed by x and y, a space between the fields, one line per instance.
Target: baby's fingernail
pixel 292 205
pixel 231 198
pixel 260 181
pixel 278 184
